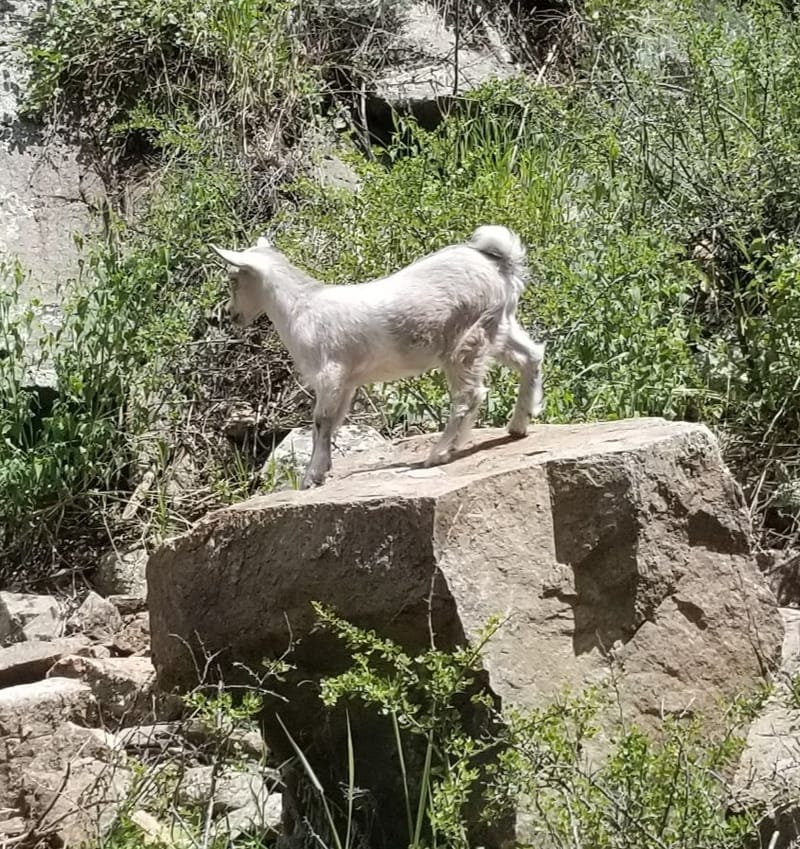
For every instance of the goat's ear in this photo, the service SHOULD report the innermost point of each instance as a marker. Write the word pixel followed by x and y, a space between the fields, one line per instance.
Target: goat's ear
pixel 237 258
pixel 263 242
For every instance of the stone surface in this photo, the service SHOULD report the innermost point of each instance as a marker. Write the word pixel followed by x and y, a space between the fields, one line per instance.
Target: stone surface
pixel 133 638
pixel 122 573
pixel 33 711
pixel 294 451
pixel 128 605
pixel 24 663
pixel 24 616
pixel 258 815
pixel 30 714
pixel 97 618
pixel 75 786
pixel 628 537
pixel 231 789
pixel 423 69
pixel 122 686
pixel 612 547
pixel 46 192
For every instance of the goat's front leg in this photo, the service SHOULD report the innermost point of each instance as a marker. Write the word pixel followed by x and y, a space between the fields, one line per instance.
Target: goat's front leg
pixel 332 406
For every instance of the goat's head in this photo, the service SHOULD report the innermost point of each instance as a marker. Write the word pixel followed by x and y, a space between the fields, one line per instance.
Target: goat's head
pixel 247 278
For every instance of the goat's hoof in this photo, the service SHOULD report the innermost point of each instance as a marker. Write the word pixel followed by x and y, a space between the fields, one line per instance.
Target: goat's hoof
pixel 311 482
pixel 438 459
pixel 518 429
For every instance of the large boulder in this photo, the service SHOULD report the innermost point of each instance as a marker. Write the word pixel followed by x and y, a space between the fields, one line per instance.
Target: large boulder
pixel 609 549
pixel 424 60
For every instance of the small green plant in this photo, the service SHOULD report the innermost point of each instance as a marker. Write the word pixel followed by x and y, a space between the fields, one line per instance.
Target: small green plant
pixel 794 691
pixel 431 702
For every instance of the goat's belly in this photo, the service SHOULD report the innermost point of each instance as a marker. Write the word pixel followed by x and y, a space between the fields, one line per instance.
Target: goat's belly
pixel 384 370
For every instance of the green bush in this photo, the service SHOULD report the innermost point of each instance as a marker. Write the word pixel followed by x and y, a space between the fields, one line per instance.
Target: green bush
pixel 197 89
pixel 125 66
pixel 461 762
pixel 127 325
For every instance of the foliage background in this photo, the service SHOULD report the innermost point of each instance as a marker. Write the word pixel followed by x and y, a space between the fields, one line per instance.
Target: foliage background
pixel 652 172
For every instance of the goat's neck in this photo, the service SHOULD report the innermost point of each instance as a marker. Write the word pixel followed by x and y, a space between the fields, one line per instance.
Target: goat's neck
pixel 285 302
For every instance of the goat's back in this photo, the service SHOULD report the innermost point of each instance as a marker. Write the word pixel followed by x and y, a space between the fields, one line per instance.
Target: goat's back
pixel 416 318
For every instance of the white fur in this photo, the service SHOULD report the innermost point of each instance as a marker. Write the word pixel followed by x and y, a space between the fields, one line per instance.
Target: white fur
pixel 454 309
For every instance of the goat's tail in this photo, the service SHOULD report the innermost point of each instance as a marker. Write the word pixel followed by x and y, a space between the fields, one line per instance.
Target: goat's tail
pixel 505 247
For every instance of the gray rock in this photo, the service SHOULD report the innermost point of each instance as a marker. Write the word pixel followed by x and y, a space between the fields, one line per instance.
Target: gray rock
pixel 133 638
pixel 11 826
pixel 122 686
pixel 791 641
pixel 24 663
pixel 30 715
pixel 34 711
pixel 46 190
pixel 768 775
pixel 128 605
pixel 423 67
pixel 76 785
pixel 614 551
pixel 232 789
pixel 334 173
pixel 294 451
pixel 24 616
pixel 97 618
pixel 122 573
pixel 259 816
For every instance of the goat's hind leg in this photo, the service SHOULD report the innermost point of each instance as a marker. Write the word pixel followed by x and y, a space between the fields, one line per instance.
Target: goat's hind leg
pixel 520 353
pixel 332 406
pixel 467 392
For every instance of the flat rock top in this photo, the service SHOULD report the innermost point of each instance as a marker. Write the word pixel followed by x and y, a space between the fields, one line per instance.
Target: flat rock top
pixel 396 470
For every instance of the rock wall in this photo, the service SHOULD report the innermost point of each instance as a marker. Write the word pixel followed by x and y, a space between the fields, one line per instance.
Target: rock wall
pixel 47 191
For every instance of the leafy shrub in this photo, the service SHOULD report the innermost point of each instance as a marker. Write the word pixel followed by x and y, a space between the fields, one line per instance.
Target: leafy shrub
pixel 125 66
pixel 662 789
pixel 127 325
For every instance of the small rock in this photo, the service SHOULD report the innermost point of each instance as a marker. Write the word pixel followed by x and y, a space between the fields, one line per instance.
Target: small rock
pixel 24 663
pixel 97 618
pixel 33 711
pixel 122 573
pixel 233 789
pixel 294 451
pixel 790 662
pixel 159 737
pixel 249 743
pixel 334 173
pixel 75 786
pixel 11 827
pixel 128 605
pixel 24 616
pixel 122 686
pixel 242 420
pixel 257 815
pixel 95 650
pixel 134 636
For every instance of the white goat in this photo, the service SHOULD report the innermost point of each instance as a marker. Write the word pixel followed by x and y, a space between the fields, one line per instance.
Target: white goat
pixel 454 309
